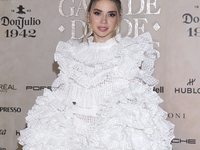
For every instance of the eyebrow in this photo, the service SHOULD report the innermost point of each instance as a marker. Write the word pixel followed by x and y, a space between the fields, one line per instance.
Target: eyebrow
pixel 102 11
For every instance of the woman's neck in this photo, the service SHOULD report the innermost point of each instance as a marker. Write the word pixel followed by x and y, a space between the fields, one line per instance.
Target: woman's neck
pixel 99 39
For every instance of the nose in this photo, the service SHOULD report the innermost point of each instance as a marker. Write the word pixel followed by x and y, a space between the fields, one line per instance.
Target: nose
pixel 104 19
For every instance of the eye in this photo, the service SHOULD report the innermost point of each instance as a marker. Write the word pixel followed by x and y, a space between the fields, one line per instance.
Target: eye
pixel 112 15
pixel 97 13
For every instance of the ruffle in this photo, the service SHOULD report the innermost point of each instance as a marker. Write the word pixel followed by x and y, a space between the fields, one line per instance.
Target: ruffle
pixel 97 53
pixel 108 43
pixel 132 121
pixel 106 80
pixel 89 98
pixel 92 78
pixel 140 53
pixel 52 125
pixel 89 55
pixel 63 54
pixel 90 65
pixel 93 69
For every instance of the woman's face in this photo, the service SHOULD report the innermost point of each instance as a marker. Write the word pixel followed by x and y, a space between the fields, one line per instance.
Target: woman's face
pixel 103 20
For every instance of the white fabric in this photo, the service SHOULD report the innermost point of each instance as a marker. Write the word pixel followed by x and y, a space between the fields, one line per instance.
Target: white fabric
pixel 101 100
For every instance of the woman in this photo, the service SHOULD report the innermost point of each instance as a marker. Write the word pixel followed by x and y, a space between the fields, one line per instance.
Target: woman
pixel 104 98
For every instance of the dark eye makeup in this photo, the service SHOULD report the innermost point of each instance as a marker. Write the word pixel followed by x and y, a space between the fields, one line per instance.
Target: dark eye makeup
pixel 97 13
pixel 110 13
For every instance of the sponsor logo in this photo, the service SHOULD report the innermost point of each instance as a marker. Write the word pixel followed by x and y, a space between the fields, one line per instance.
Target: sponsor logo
pixel 176 115
pixel 37 88
pixel 180 141
pixel 10 109
pixel 20 22
pixel 159 89
pixel 2 132
pixel 190 19
pixel 2 148
pixel 191 82
pixel 6 87
pixel 188 90
pixel 21 8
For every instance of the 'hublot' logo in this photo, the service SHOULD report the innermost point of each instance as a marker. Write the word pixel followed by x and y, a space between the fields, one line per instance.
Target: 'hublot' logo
pixel 188 90
pixel 191 82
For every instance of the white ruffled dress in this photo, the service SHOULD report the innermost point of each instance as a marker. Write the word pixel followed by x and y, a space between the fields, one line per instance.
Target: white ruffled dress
pixel 103 99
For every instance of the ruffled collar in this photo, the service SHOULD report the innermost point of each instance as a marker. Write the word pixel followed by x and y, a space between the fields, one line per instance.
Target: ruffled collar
pixel 109 42
pixel 97 53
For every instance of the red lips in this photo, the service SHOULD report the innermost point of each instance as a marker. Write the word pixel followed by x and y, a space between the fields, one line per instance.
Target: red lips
pixel 103 29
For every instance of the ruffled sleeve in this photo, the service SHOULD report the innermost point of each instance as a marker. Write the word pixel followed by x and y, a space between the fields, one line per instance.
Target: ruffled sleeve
pixel 149 54
pixel 140 50
pixel 63 56
pixel 50 120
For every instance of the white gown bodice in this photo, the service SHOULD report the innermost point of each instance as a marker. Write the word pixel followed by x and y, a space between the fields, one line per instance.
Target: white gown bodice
pixel 93 72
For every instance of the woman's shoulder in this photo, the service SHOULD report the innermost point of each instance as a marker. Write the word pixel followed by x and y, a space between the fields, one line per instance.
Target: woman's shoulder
pixel 67 45
pixel 64 51
pixel 143 39
pixel 67 50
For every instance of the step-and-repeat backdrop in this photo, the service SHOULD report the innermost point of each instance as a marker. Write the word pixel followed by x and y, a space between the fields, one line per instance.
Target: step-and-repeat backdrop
pixel 31 29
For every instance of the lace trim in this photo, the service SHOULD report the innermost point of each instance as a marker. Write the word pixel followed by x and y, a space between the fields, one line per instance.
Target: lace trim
pixel 139 118
pixel 128 115
pixel 63 54
pixel 108 43
pixel 88 98
pixel 95 56
pixel 88 119
pixel 92 69
pixel 141 50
